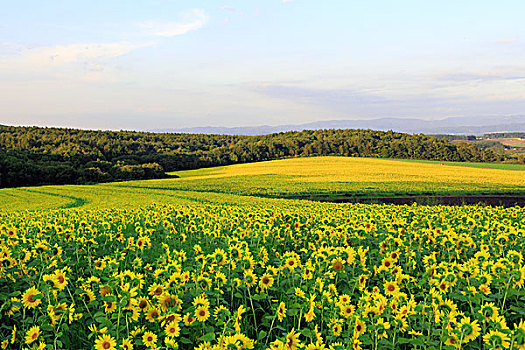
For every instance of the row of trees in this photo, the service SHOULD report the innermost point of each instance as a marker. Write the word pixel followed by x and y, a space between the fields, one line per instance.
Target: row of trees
pixel 35 156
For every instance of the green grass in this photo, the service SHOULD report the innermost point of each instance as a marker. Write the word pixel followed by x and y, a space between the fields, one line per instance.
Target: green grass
pixel 502 166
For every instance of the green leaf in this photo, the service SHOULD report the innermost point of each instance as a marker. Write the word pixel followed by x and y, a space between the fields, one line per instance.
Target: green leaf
pixel 208 337
pixel 307 333
pixel 292 312
pixel 262 335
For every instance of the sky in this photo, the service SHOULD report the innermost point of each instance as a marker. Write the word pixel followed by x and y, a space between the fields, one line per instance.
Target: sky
pixel 168 64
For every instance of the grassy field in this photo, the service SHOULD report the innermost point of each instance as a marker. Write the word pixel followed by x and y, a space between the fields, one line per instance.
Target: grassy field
pixel 503 166
pixel 333 176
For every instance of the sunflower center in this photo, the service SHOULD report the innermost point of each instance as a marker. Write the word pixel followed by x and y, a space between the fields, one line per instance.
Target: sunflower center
pixel 106 345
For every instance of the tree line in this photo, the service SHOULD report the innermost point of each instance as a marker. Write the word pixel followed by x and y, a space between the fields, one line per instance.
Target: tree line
pixel 37 156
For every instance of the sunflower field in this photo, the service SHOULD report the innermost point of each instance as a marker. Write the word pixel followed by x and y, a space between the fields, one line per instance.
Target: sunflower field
pixel 244 273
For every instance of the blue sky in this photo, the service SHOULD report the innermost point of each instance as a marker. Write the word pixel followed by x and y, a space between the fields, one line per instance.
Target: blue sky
pixel 157 64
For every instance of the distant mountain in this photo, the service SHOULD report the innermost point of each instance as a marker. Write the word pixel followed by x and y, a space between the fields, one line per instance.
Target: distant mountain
pixel 452 125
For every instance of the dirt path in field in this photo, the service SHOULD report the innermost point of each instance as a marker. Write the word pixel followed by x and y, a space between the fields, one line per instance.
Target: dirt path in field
pixel 505 201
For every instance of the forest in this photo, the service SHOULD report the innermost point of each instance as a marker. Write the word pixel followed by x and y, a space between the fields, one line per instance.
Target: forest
pixel 38 156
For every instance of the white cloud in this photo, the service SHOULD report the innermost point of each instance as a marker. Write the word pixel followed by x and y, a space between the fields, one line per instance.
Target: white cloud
pixel 61 54
pixel 192 20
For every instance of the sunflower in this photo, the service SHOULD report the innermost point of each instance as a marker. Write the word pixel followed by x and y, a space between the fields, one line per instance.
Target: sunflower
pixel 153 314
pixel 307 273
pixel 202 313
pixel 32 334
pixel 188 319
pixel 348 310
pixel 31 298
pixel 172 329
pixel 489 311
pixel 496 340
pixel 387 263
pixel 105 290
pixel 88 295
pixel 221 313
pixel 156 290
pixel 60 279
pixel 443 286
pixel 266 281
pixel 281 311
pixel 391 288
pixel 382 326
pixel 519 335
pixel 171 318
pixel 336 327
pixel 110 306
pixel 451 341
pixel 250 278
pixel 238 318
pixel 470 330
pixel 132 313
pixel 337 264
pixel 485 289
pixel 310 315
pixel 127 344
pixel 243 341
pixel 362 282
pixel 221 278
pixel 149 339
pixel 291 263
pixel 292 341
pixel 168 301
pixel 105 342
pixel 201 300
pixel 359 328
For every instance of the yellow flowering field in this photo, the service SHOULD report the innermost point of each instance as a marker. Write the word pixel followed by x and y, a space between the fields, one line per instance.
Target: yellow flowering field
pixel 176 264
pixel 296 177
pixel 245 273
pixel 344 175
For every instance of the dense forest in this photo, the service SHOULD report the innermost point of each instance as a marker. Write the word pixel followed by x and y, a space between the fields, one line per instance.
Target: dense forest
pixel 504 135
pixel 452 137
pixel 36 156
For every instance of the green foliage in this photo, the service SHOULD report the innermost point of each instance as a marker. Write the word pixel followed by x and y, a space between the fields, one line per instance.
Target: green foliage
pixel 37 156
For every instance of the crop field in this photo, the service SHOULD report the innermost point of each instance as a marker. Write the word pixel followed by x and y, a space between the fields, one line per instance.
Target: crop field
pixel 296 177
pixel 179 264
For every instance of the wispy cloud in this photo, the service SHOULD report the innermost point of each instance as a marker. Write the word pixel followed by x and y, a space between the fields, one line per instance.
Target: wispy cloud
pixel 506 40
pixel 491 75
pixel 287 0
pixel 227 8
pixel 62 54
pixel 191 20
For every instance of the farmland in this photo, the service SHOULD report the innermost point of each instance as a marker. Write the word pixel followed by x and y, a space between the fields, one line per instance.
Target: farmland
pixel 208 261
pixel 294 177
